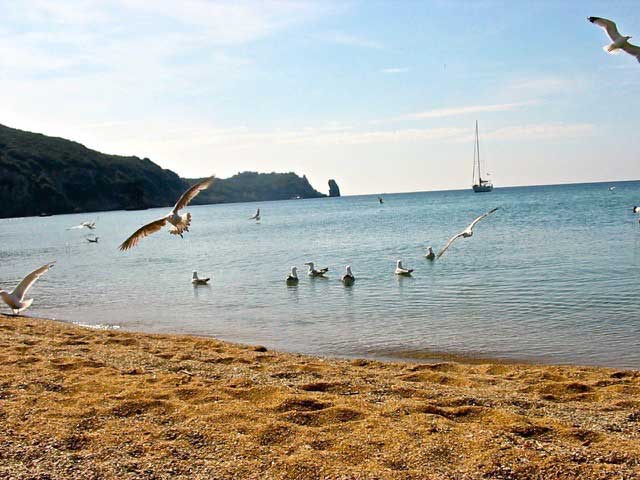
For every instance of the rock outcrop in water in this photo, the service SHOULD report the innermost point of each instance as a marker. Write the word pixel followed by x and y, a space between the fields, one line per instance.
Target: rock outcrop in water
pixel 334 190
pixel 41 174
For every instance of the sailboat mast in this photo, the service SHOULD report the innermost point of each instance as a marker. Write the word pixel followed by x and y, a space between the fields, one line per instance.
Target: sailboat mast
pixel 473 178
pixel 478 149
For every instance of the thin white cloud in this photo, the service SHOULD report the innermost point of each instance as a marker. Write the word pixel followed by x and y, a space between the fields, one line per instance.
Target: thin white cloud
pixel 394 70
pixel 351 40
pixel 466 110
pixel 542 131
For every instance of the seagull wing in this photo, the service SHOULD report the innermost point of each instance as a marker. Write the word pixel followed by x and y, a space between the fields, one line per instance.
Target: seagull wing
pixel 632 49
pixel 142 232
pixel 23 287
pixel 473 224
pixel 609 27
pixel 451 240
pixel 190 194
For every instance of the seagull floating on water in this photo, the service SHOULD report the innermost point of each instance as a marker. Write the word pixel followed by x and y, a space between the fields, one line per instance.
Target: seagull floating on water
pixel 15 299
pixel 180 223
pixel 256 217
pixel 292 278
pixel 636 209
pixel 429 255
pixel 619 42
pixel 380 200
pixel 312 272
pixel 348 278
pixel 400 270
pixel 197 280
pixel 467 232
pixel 89 225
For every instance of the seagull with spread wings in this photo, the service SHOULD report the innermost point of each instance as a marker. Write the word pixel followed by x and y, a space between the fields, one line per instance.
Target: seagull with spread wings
pixel 256 217
pixel 619 42
pixel 180 223
pixel 15 299
pixel 467 232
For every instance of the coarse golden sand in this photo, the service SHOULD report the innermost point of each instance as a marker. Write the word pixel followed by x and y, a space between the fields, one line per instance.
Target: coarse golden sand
pixel 89 404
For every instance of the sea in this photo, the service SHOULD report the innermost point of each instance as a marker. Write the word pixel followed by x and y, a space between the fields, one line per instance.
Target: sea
pixel 553 276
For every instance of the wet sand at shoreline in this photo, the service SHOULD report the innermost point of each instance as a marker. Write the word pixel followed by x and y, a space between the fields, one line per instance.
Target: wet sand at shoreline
pixel 82 403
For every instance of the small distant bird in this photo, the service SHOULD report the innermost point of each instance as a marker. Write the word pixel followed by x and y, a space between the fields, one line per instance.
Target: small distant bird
pixel 348 278
pixel 636 209
pixel 180 223
pixel 197 280
pixel 15 299
pixel 380 200
pixel 430 255
pixel 619 42
pixel 256 217
pixel 292 278
pixel 400 270
pixel 89 225
pixel 467 232
pixel 93 239
pixel 611 189
pixel 312 272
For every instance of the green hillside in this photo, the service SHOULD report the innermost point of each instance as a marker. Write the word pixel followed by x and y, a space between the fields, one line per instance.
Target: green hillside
pixel 41 174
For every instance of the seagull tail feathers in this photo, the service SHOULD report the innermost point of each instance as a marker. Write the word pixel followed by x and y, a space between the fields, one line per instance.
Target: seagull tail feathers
pixel 611 50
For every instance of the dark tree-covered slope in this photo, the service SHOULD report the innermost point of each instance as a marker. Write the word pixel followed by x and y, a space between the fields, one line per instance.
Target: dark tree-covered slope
pixel 41 174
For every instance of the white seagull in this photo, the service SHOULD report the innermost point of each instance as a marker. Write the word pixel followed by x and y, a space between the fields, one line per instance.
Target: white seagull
pixel 619 42
pixel 467 232
pixel 400 270
pixel 199 281
pixel 312 272
pixel 292 278
pixel 429 255
pixel 180 222
pixel 89 225
pixel 348 278
pixel 636 209
pixel 15 299
pixel 256 217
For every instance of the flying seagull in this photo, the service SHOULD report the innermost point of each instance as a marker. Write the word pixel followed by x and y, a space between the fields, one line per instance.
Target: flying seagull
pixel 93 239
pixel 312 272
pixel 15 299
pixel 467 232
pixel 400 270
pixel 180 223
pixel 636 209
pixel 89 225
pixel 348 278
pixel 619 42
pixel 380 200
pixel 256 217
pixel 292 278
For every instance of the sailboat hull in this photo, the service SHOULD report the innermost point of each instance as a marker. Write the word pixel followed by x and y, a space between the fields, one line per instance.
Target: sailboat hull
pixel 482 188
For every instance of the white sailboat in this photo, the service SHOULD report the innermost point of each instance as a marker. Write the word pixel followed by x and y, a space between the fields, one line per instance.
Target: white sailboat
pixel 482 185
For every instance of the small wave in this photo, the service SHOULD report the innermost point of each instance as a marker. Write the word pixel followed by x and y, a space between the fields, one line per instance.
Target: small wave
pixel 98 326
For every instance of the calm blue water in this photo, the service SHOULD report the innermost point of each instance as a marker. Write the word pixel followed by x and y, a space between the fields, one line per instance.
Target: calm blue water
pixel 553 276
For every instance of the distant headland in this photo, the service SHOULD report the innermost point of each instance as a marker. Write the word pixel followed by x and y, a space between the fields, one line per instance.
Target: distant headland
pixel 49 175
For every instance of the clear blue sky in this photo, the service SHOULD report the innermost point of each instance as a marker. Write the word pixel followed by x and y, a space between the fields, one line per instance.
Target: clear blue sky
pixel 381 96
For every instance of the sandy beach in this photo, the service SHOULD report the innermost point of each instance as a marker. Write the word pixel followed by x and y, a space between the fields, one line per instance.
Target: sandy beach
pixel 81 403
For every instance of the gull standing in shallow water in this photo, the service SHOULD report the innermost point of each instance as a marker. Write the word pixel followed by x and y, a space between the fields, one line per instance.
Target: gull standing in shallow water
pixel 400 270
pixel 292 278
pixel 180 223
pixel 429 255
pixel 15 299
pixel 467 232
pixel 312 272
pixel 619 42
pixel 199 281
pixel 348 278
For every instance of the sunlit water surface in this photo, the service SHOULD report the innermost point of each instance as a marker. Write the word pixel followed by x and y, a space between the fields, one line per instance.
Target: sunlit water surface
pixel 553 276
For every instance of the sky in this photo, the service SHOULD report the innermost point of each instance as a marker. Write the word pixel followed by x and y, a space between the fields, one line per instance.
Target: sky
pixel 380 95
